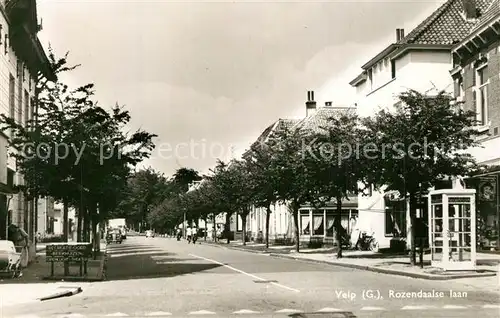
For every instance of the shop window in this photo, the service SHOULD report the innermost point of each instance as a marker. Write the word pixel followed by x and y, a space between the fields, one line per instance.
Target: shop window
pixel 318 224
pixel 305 223
pixel 395 218
pixel 330 221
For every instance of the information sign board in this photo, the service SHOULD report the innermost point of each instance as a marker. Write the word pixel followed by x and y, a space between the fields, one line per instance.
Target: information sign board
pixel 64 252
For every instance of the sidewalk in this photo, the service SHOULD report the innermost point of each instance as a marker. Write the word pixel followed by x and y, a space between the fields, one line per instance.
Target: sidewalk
pixel 39 270
pixel 487 264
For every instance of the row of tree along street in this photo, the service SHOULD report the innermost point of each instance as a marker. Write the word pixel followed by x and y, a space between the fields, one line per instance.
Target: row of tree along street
pixel 75 151
pixel 409 149
pixel 78 153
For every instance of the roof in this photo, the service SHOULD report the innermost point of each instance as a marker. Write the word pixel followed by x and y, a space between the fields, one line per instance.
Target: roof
pixel 445 26
pixel 320 118
pixel 492 12
pixel 279 124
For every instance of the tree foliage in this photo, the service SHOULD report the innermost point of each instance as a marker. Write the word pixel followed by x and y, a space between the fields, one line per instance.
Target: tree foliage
pixel 74 150
pixel 336 165
pixel 420 143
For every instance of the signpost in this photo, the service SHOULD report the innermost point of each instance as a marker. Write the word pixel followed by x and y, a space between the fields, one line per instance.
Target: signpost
pixel 69 252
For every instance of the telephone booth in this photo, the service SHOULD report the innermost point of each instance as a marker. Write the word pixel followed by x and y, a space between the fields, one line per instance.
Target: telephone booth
pixel 452 229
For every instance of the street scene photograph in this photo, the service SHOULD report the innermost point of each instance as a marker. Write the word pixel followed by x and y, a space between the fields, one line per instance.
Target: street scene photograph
pixel 315 159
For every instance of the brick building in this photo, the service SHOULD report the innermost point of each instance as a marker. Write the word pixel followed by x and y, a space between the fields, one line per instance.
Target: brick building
pixel 476 75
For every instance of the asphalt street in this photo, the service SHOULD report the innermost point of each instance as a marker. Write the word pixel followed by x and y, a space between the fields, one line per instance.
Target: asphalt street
pixel 165 277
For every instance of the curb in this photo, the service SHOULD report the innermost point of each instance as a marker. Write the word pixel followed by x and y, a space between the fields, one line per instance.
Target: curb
pixel 385 270
pixel 66 293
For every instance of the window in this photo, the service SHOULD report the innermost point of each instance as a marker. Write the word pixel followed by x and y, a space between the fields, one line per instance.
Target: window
pixel 20 106
pixel 393 69
pixel 10 177
pixel 482 95
pixel 12 99
pixel 370 79
pixel 395 218
pixel 304 223
pixel 318 224
pixel 6 46
pixel 33 109
pixel 26 108
pixel 330 221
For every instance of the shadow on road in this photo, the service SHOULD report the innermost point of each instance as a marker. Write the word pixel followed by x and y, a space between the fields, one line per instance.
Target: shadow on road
pixel 154 265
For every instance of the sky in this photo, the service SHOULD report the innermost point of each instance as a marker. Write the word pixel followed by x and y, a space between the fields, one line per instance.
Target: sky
pixel 209 76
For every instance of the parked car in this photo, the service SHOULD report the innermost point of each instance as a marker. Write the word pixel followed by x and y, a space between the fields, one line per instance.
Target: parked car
pixel 150 233
pixel 10 259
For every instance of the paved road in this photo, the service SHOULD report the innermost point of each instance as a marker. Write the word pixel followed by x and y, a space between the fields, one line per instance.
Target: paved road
pixel 159 276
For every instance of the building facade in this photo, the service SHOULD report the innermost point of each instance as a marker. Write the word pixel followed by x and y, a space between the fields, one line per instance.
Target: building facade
pixel 46 216
pixel 22 60
pixel 313 223
pixel 476 74
pixel 421 61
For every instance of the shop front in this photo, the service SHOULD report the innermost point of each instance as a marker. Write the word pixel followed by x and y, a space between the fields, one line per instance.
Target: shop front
pixel 487 206
pixel 318 224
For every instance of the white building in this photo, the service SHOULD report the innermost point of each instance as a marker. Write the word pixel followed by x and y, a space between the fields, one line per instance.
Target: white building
pixel 45 223
pixel 22 58
pixel 421 61
pixel 312 224
pixel 58 221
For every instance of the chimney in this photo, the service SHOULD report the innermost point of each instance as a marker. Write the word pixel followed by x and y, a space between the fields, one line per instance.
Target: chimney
pixel 310 104
pixel 470 9
pixel 400 34
pixel 328 104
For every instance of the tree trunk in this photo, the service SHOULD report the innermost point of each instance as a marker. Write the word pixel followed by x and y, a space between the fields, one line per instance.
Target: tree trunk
pixel 268 215
pixel 35 215
pixel 227 228
pixel 86 224
pixel 338 227
pixel 94 218
pixel 95 238
pixel 79 237
pixel 65 232
pixel 244 224
pixel 295 211
pixel 413 254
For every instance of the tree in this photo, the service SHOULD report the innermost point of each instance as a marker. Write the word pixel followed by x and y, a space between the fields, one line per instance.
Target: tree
pixel 335 165
pixel 165 216
pixel 262 179
pixel 290 160
pixel 183 177
pixel 145 190
pixel 420 143
pixel 231 192
pixel 78 153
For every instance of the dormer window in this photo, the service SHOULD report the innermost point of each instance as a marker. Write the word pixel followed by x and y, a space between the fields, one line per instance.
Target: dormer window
pixel 471 11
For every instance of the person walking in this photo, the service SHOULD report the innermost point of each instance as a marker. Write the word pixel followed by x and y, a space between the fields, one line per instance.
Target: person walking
pixel 189 234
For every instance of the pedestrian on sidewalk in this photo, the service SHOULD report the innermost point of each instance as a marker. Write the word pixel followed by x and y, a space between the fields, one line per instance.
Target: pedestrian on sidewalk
pixel 189 233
